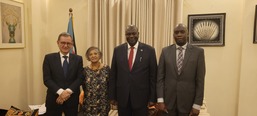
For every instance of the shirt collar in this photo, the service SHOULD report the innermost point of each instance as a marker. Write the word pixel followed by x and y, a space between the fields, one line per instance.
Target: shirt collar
pixel 184 46
pixel 61 55
pixel 135 46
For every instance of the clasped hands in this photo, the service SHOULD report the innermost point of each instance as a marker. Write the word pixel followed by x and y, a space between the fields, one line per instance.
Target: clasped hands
pixel 64 96
pixel 161 106
pixel 114 102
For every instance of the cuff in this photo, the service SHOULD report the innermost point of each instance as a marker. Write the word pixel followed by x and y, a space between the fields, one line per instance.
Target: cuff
pixel 160 100
pixel 68 89
pixel 59 92
pixel 198 107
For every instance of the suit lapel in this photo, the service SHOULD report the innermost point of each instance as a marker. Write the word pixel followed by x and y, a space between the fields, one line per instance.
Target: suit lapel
pixel 173 57
pixel 59 63
pixel 187 56
pixel 71 63
pixel 125 56
pixel 139 54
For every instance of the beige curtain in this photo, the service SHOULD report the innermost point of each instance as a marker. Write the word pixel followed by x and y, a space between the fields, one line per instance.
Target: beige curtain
pixel 155 19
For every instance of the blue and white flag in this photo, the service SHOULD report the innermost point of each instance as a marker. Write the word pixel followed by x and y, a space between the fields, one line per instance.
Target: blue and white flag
pixel 71 32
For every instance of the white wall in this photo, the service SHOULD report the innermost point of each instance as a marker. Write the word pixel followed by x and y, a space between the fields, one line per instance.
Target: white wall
pixel 49 19
pixel 13 84
pixel 248 77
pixel 21 69
pixel 222 63
pixel 57 21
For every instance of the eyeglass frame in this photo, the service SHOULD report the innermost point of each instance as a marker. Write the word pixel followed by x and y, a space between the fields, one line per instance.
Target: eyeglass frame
pixel 65 43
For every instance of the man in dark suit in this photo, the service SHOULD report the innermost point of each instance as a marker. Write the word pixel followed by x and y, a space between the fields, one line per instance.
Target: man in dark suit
pixel 62 75
pixel 180 78
pixel 133 76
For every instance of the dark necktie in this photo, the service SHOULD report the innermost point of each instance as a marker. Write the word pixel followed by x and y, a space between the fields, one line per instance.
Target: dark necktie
pixel 65 65
pixel 180 59
pixel 131 53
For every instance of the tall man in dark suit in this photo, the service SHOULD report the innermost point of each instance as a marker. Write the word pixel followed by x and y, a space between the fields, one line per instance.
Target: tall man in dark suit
pixel 180 78
pixel 133 76
pixel 62 75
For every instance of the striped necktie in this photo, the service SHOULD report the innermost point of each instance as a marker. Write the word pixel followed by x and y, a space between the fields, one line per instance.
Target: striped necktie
pixel 180 59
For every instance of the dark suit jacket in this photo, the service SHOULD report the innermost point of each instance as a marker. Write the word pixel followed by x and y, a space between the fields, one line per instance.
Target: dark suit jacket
pixel 188 87
pixel 140 82
pixel 54 79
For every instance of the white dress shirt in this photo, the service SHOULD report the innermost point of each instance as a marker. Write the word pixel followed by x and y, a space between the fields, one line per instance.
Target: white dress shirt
pixel 59 92
pixel 135 52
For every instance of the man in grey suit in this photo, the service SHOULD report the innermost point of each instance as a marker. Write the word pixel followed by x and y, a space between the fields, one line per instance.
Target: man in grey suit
pixel 62 75
pixel 133 76
pixel 180 78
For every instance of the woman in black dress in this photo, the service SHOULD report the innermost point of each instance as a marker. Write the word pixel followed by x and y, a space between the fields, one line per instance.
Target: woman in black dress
pixel 95 85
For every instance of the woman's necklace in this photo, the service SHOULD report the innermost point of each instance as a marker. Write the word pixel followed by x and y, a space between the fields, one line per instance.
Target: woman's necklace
pixel 96 66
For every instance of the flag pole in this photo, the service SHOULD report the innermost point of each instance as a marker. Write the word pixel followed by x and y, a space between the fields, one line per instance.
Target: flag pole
pixel 70 12
pixel 71 31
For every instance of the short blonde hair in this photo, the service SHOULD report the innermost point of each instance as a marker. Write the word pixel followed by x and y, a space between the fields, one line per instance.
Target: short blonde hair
pixel 93 48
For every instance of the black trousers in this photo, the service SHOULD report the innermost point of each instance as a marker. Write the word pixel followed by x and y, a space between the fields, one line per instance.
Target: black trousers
pixel 174 112
pixel 68 111
pixel 130 111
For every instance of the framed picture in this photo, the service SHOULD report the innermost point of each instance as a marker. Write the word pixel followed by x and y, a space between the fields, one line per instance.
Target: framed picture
pixel 207 29
pixel 255 27
pixel 12 24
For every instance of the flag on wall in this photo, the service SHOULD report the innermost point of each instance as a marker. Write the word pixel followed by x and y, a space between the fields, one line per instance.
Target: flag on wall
pixel 71 32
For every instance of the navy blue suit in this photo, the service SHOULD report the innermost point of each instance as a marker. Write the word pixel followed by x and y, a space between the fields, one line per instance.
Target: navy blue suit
pixel 137 87
pixel 54 79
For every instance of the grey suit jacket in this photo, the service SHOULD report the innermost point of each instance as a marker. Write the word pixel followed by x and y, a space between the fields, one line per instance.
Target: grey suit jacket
pixel 187 88
pixel 140 83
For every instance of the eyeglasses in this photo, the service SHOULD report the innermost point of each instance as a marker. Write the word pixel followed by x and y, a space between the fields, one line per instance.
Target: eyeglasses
pixel 66 43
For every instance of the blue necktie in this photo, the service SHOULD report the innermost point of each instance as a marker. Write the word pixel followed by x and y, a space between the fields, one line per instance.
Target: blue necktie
pixel 65 65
